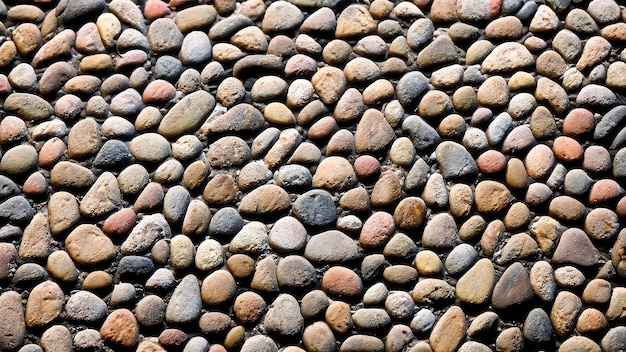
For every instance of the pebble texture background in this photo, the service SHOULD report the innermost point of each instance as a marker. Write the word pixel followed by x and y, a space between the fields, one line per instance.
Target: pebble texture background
pixel 315 175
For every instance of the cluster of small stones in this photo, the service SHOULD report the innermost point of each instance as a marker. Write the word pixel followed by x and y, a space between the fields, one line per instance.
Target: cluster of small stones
pixel 312 175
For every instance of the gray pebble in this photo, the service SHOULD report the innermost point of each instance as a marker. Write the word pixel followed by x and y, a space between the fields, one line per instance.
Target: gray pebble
pixel 400 305
pixel 577 182
pixel 537 326
pixel 460 259
pixel 422 134
pixel 283 317
pixel 371 319
pixel 196 344
pixel 85 307
pixel 294 177
pixel 315 208
pixel 455 161
pixel 168 68
pixel 410 88
pixel 185 304
pixel 133 267
pixel 17 209
pixel 423 321
pixel 164 36
pixel 114 154
pixel 225 222
pixel 175 204
pixel 127 103
pixel 195 49
pixel 331 247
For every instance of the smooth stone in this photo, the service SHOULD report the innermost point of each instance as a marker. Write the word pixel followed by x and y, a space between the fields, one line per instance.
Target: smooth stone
pixel 513 288
pixel 432 291
pixel 507 57
pixel 85 307
pixel 454 160
pixel 460 259
pixel 449 331
pixel 537 326
pixel 564 312
pixel 120 328
pixel 572 244
pixel 331 247
pixel 187 115
pixel 185 304
pixel 145 234
pixel 476 285
pixel 252 239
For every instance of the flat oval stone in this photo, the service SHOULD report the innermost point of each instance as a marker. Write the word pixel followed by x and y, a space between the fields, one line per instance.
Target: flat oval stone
pixel 13 325
pixel 88 245
pixel 86 307
pixel 187 115
pixel 331 247
pixel 267 199
pixel 342 282
pixel 150 147
pixel 45 303
pixel 287 235
pixel 449 330
pixel 315 208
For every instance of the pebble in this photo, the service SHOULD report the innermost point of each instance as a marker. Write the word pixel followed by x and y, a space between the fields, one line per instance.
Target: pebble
pixel 57 338
pixel 564 311
pixel 341 282
pixel 185 304
pixel 476 285
pixel 85 307
pixel 283 317
pixel 513 288
pixel 449 331
pixel 508 57
pixel 120 328
pixel 537 326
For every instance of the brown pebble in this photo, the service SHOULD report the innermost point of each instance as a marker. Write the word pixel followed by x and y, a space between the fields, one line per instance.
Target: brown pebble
pixel 341 282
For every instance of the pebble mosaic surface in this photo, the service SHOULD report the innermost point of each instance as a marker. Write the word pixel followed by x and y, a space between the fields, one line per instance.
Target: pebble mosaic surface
pixel 312 175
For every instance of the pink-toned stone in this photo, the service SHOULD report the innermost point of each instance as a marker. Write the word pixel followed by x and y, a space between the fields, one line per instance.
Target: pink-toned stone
pixel 520 139
pixel 172 338
pixel 597 159
pixel 377 230
pixel 121 328
pixel 567 149
pixel 491 237
pixel 539 161
pixel 578 121
pixel 155 9
pixel 131 58
pixel 150 198
pixel 5 86
pixel 366 166
pixel 342 282
pixel 491 161
pixel 620 209
pixel 35 185
pixel 575 248
pixel 51 152
pixel 159 92
pixel 604 190
pixel 120 222
pixel 323 128
pixel 8 254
